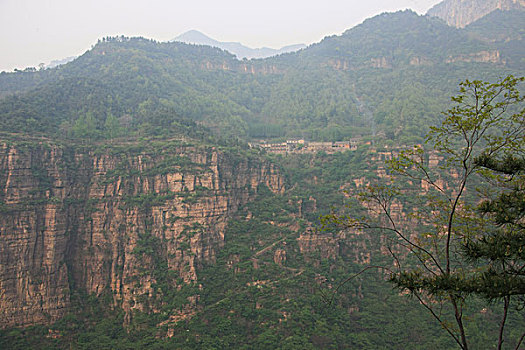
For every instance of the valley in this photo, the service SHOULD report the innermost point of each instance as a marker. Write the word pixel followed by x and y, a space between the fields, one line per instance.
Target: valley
pixel 167 195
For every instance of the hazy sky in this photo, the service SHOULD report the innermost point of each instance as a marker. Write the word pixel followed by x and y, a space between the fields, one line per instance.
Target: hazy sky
pixel 38 31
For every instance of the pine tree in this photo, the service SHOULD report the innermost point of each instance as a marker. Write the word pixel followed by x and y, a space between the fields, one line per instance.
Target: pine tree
pixel 450 246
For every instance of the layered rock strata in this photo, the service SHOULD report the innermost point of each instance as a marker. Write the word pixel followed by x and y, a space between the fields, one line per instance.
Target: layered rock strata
pixel 102 223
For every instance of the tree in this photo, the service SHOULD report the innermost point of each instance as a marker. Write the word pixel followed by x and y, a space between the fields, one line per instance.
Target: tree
pixel 112 127
pixel 500 248
pixel 85 127
pixel 503 245
pixel 447 247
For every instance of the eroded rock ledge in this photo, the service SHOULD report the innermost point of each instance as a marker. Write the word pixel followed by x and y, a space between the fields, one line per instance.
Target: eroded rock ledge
pixel 90 221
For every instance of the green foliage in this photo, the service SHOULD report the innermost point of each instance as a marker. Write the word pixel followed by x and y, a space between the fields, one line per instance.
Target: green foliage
pixel 386 81
pixel 504 29
pixel 146 244
pixel 112 127
pixel 330 91
pixel 85 127
pixel 432 253
pixel 246 300
pixel 501 247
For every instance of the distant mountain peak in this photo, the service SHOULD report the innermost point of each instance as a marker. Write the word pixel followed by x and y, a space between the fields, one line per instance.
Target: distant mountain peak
pixel 460 13
pixel 195 37
pixel 241 51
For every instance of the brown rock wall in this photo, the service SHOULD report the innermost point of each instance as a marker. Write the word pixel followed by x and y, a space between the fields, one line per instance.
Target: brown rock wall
pixel 34 285
pixel 83 221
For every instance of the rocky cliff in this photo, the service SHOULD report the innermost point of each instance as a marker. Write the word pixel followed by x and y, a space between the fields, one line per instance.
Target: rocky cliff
pixel 460 13
pixel 126 222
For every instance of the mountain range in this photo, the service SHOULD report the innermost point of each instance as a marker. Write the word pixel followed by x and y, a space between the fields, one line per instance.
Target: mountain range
pixel 274 96
pixel 140 209
pixel 458 13
pixel 238 49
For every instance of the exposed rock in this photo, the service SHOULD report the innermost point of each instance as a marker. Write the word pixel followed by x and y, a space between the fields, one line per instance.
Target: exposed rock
pixel 360 182
pixel 343 65
pixel 492 56
pixel 101 223
pixel 420 61
pixel 259 69
pixel 279 257
pixel 434 159
pixel 460 13
pixel 380 62
pixel 323 244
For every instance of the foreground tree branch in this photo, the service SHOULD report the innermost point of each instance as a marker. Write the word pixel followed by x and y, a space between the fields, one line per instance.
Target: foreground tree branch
pixel 454 250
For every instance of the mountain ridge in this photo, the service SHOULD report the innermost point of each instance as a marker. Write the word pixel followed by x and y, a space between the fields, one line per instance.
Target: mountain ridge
pixel 238 49
pixel 460 13
pixel 138 215
pixel 156 83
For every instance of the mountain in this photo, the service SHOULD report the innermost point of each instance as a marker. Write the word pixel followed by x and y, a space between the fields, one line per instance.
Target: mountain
pixel 239 50
pixel 505 30
pixel 56 63
pixel 134 214
pixel 350 78
pixel 499 26
pixel 460 13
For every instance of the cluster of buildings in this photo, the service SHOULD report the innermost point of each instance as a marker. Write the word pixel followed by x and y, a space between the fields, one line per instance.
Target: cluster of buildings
pixel 302 146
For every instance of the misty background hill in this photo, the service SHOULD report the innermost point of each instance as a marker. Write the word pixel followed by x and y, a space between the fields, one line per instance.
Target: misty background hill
pixel 238 49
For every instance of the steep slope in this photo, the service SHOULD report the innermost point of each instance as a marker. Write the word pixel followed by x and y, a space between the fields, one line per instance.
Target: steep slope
pixel 392 73
pixel 460 13
pixel 270 285
pixel 134 77
pixel 506 31
pixel 395 39
pixel 145 230
pixel 132 223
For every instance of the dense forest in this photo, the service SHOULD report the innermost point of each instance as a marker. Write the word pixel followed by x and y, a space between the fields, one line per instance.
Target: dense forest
pixel 277 279
pixel 393 74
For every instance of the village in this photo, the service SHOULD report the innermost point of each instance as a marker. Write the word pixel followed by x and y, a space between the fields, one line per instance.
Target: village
pixel 302 146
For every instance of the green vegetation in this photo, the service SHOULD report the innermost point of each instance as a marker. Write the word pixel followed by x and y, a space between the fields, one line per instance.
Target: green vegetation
pixel 504 29
pixel 247 300
pixel 279 280
pixel 448 251
pixel 390 74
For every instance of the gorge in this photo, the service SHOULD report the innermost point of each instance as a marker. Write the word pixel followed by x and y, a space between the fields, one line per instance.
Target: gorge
pixel 158 195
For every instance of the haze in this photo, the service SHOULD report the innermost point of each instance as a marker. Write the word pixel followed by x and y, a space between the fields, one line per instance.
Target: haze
pixel 41 31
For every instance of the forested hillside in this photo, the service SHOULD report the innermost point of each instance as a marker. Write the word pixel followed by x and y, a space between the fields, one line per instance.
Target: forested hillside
pixel 505 30
pixel 393 73
pixel 136 212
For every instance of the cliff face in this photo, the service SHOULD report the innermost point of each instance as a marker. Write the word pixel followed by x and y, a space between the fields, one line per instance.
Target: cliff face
pixel 460 13
pixel 114 224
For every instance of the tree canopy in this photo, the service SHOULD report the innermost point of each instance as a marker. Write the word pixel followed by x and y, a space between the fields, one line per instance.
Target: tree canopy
pixel 449 247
